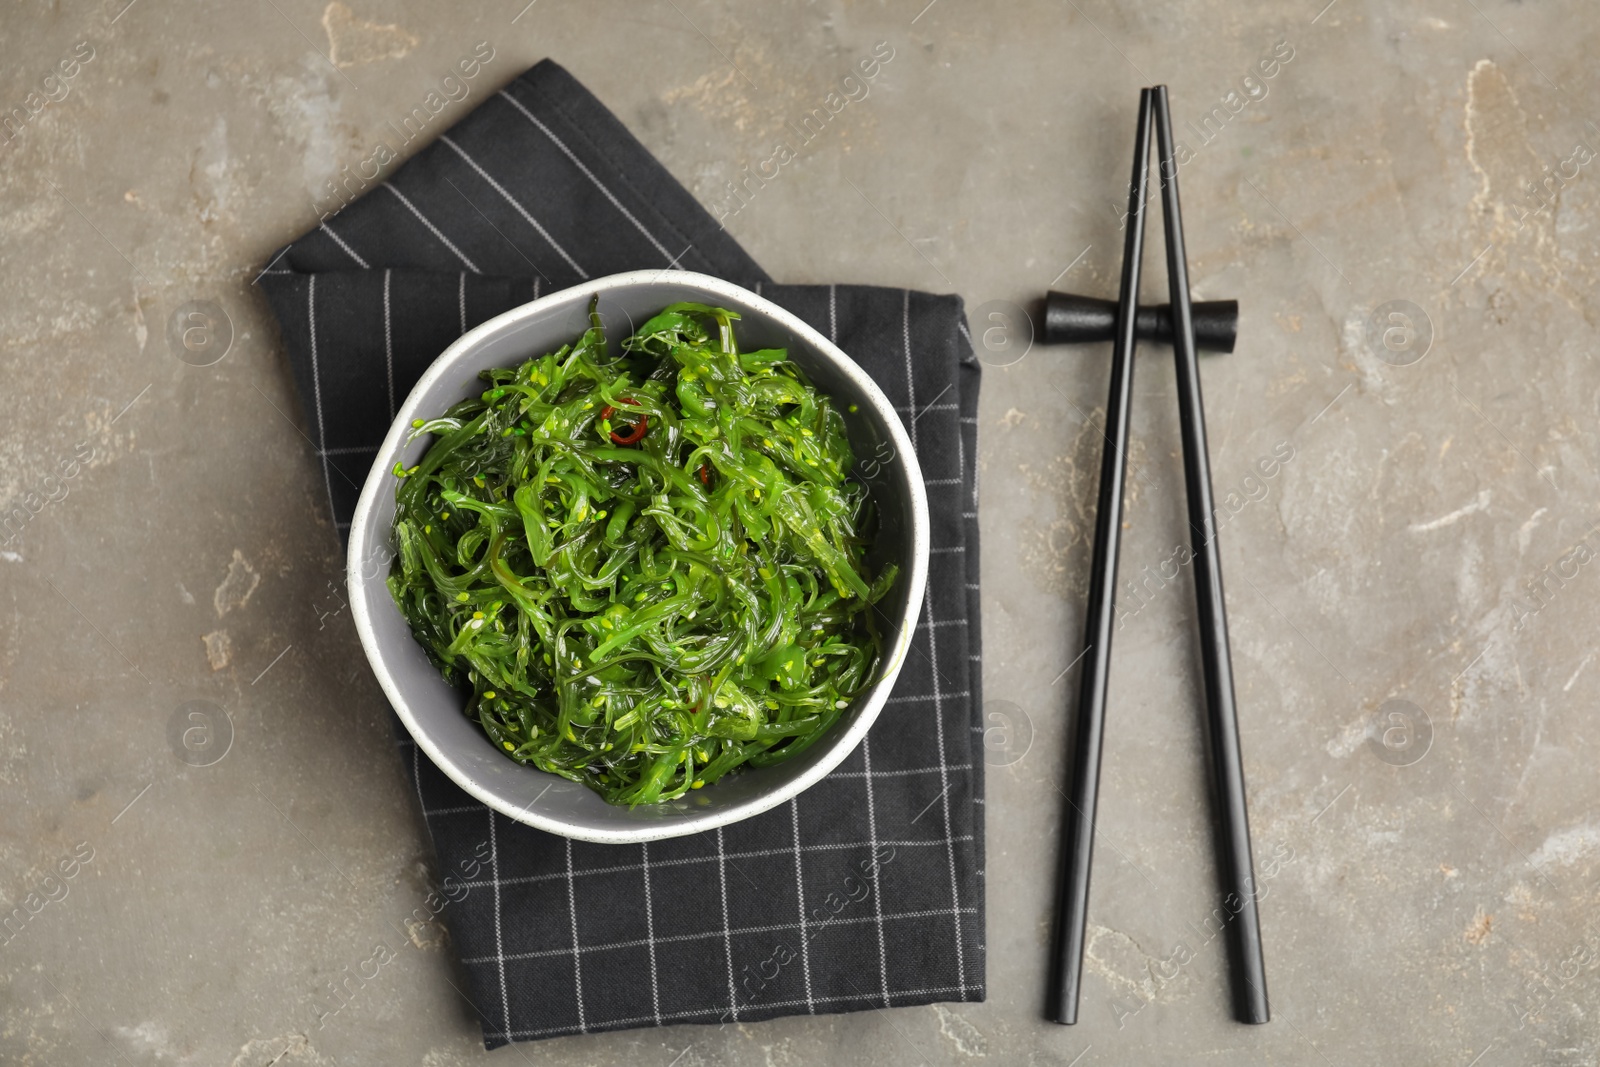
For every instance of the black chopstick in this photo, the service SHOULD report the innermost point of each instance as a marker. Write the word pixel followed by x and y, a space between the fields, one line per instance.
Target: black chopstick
pixel 1234 867
pixel 1077 821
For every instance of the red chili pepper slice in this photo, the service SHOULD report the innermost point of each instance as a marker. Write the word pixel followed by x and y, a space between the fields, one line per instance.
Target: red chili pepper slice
pixel 635 432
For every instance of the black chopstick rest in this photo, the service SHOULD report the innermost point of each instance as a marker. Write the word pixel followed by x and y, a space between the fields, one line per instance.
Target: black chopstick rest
pixel 1073 319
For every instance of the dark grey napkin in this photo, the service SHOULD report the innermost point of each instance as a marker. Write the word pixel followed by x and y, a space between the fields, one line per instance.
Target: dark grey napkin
pixel 864 892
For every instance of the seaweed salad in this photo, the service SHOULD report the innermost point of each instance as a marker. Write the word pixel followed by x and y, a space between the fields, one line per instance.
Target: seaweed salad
pixel 649 570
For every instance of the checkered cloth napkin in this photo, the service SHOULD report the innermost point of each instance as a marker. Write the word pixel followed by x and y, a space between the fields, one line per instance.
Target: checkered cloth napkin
pixel 864 892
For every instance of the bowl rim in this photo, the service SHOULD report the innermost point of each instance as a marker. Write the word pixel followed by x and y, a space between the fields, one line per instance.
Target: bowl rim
pixel 916 573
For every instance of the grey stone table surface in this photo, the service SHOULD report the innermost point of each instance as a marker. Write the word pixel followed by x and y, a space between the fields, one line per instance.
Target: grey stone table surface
pixel 1405 450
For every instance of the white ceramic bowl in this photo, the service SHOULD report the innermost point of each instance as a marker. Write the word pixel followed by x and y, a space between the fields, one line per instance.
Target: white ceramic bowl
pixel 432 709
